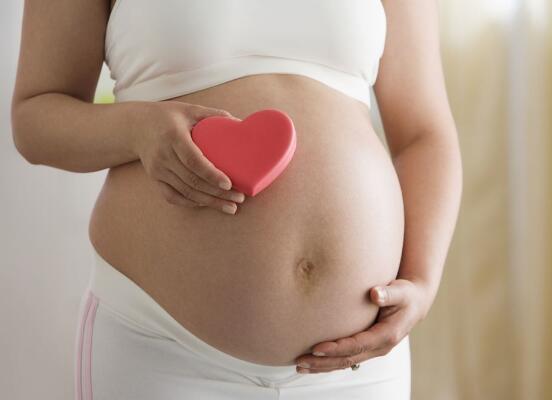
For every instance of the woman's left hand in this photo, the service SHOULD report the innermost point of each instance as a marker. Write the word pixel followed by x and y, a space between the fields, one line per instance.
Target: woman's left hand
pixel 404 303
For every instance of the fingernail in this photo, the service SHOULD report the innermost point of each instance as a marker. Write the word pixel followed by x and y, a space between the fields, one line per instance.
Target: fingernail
pixel 227 208
pixel 319 353
pixel 225 185
pixel 238 197
pixel 303 371
pixel 304 364
pixel 381 294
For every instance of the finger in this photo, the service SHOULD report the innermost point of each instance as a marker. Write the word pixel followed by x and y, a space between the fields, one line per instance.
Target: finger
pixel 376 346
pixel 330 364
pixel 193 158
pixel 390 295
pixel 198 112
pixel 198 197
pixel 197 183
pixel 172 196
pixel 369 340
pixel 327 364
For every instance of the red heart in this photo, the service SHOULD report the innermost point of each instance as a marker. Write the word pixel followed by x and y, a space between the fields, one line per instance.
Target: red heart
pixel 252 152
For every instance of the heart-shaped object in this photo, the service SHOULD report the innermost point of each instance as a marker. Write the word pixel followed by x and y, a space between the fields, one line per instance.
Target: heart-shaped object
pixel 253 152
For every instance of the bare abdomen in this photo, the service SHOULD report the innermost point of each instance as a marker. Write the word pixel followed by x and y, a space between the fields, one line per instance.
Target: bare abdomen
pixel 293 267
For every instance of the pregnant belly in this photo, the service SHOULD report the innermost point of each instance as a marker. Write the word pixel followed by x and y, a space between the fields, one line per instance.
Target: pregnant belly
pixel 294 265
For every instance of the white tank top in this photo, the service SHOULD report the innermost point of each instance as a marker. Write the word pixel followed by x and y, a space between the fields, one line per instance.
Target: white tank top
pixel 157 50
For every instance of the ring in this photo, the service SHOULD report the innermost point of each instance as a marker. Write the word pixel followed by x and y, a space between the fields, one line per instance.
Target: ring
pixel 354 367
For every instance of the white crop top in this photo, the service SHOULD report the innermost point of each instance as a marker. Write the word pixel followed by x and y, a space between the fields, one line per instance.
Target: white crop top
pixel 157 50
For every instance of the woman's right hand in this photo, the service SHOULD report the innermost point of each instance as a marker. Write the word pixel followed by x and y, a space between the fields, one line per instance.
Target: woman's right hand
pixel 170 157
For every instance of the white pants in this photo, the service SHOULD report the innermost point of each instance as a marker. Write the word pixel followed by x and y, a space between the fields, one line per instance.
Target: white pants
pixel 129 348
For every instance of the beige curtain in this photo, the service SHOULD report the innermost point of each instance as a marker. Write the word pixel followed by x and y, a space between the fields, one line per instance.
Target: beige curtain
pixel 489 332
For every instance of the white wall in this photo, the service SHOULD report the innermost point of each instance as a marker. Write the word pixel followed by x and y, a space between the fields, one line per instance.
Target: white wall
pixel 45 255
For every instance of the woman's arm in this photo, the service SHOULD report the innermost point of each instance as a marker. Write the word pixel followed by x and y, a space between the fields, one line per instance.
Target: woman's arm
pixel 422 137
pixel 53 119
pixel 55 123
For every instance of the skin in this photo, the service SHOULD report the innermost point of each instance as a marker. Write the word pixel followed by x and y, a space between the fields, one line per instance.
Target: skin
pixel 51 102
pixel 423 141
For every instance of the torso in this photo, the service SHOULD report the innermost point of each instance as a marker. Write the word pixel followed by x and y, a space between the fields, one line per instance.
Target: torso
pixel 293 267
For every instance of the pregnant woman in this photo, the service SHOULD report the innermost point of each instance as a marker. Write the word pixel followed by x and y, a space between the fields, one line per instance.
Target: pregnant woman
pixel 201 292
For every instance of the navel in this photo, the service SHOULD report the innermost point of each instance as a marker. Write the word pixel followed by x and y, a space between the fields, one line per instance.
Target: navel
pixel 307 275
pixel 305 267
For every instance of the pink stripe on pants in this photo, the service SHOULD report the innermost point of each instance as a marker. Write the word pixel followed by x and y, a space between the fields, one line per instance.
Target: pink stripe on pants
pixel 83 377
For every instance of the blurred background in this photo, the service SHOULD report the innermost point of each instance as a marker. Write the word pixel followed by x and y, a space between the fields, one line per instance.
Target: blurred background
pixel 489 332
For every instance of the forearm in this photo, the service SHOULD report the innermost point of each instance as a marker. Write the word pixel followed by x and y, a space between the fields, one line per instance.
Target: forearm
pixel 430 174
pixel 64 132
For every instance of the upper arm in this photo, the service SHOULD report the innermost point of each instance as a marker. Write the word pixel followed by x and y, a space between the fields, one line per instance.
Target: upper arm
pixel 62 48
pixel 410 88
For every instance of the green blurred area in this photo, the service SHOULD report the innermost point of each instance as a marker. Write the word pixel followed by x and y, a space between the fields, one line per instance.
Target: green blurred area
pixel 104 97
pixel 104 90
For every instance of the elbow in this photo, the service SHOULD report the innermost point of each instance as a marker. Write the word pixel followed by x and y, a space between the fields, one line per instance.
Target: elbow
pixel 440 139
pixel 440 146
pixel 24 148
pixel 21 136
pixel 447 144
pixel 28 156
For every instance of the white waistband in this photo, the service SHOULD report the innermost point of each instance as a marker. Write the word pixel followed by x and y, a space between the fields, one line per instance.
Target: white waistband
pixel 120 293
pixel 182 82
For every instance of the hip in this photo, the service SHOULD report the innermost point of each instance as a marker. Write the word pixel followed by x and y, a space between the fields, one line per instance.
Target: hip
pixel 128 346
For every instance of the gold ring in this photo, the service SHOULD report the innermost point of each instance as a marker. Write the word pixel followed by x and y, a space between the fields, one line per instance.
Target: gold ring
pixel 354 367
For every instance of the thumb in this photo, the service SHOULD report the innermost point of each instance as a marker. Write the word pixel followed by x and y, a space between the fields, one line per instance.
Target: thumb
pixel 393 294
pixel 200 112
